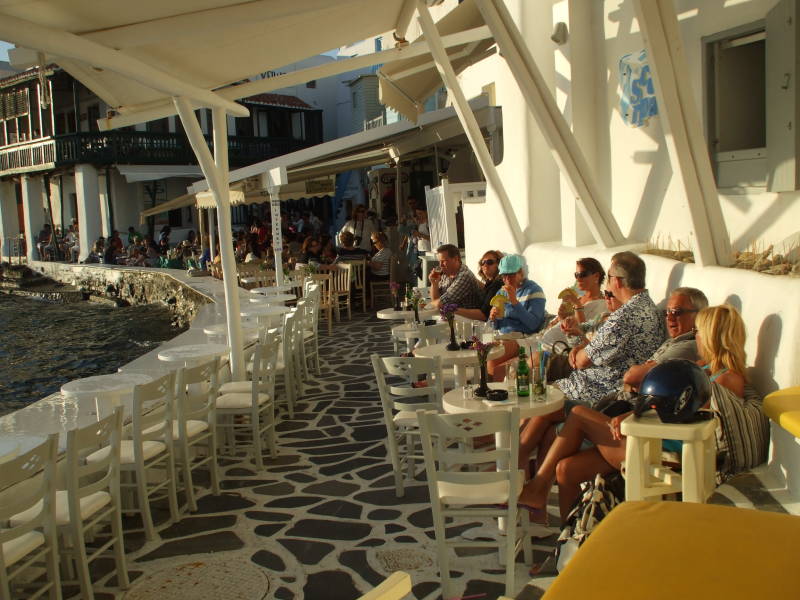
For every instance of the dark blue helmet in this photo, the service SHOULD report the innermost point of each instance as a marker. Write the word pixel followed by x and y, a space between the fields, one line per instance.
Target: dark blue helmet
pixel 676 389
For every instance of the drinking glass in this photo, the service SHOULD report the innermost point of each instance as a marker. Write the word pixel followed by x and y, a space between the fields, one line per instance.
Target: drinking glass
pixel 511 380
pixel 467 391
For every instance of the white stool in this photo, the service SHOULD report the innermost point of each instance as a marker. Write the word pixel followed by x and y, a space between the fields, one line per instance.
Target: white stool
pixel 646 477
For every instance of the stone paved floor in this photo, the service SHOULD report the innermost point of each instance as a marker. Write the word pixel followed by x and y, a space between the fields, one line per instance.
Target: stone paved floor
pixel 323 521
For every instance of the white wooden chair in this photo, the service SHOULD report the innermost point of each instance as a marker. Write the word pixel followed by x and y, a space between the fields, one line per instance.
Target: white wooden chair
pixel 32 542
pixel 457 494
pixel 324 281
pixel 394 587
pixel 400 401
pixel 253 399
pixel 359 270
pixel 340 289
pixel 150 448
pixel 311 327
pixel 195 425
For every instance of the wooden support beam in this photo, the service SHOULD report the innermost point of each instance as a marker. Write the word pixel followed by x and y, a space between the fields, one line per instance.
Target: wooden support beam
pixel 562 142
pixel 467 118
pixel 683 129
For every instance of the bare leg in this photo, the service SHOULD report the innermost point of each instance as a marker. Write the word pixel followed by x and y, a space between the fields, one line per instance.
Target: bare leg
pixel 532 435
pixel 497 367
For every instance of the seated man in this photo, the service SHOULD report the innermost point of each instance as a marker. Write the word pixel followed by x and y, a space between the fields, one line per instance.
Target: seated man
pixel 453 282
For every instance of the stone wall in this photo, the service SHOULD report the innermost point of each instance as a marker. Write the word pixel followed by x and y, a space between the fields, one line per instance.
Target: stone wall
pixel 133 285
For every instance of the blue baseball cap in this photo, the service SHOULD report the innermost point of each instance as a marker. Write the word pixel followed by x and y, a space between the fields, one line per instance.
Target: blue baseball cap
pixel 511 263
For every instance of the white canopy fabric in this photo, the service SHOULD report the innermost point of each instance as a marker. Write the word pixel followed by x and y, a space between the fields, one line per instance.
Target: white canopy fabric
pixel 133 54
pixel 405 85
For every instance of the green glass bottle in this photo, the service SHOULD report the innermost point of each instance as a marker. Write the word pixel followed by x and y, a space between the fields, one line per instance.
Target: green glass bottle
pixel 523 374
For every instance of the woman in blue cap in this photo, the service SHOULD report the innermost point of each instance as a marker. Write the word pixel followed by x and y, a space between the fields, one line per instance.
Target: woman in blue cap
pixel 523 310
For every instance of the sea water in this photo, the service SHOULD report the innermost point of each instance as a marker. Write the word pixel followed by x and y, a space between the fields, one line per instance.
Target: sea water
pixel 44 345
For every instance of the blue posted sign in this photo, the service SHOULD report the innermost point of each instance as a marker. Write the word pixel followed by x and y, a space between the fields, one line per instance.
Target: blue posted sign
pixel 638 101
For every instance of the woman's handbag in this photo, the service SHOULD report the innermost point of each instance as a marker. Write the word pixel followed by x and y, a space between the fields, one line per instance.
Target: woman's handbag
pixel 558 367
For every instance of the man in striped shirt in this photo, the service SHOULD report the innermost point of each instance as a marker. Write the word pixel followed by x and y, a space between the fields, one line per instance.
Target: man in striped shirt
pixel 453 282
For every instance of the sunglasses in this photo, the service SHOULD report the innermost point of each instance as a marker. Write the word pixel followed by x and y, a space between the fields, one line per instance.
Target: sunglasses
pixel 677 312
pixel 582 274
pixel 608 294
pixel 487 262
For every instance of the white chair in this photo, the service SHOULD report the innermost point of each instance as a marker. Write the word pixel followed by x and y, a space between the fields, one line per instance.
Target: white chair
pixel 340 289
pixel 324 281
pixel 253 399
pixel 32 542
pixel 288 366
pixel 310 328
pixel 195 425
pixel 400 401
pixel 359 270
pixel 150 448
pixel 394 587
pixel 433 334
pixel 455 493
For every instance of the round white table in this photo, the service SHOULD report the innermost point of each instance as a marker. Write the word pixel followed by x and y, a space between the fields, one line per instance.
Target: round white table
pixel 272 289
pixel 9 450
pixel 272 298
pixel 458 359
pixel 218 333
pixel 406 315
pixel 453 402
pixel 265 314
pixel 104 389
pixel 192 353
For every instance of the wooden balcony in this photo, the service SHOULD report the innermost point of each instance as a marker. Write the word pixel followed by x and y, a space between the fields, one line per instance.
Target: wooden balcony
pixel 133 147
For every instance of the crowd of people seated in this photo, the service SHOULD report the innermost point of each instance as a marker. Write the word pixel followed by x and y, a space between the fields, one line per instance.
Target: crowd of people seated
pixel 614 333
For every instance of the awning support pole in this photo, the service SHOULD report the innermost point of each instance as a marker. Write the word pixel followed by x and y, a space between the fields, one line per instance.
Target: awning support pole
pixel 201 221
pixel 468 121
pixel 274 180
pixel 212 233
pixel 683 130
pixel 562 142
pixel 215 171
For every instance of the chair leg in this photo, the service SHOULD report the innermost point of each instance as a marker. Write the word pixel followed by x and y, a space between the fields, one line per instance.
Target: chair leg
pixel 258 450
pixel 123 581
pixel 273 447
pixel 144 505
pixel 213 466
pixel 53 573
pixel 511 544
pixel 172 494
pixel 188 484
pixel 441 549
pixel 81 561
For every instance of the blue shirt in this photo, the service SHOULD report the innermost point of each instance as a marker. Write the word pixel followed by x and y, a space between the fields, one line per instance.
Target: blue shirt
pixel 630 336
pixel 527 316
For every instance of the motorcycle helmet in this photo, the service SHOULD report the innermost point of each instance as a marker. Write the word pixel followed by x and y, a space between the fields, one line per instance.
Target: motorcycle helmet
pixel 677 389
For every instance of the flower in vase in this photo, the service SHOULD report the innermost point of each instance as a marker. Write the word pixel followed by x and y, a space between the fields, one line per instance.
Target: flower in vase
pixel 394 286
pixel 448 311
pixel 482 348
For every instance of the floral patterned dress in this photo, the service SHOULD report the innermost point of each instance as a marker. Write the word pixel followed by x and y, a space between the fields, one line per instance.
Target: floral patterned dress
pixel 629 336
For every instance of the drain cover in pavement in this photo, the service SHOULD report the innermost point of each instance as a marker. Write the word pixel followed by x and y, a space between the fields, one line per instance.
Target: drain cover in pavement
pixel 214 579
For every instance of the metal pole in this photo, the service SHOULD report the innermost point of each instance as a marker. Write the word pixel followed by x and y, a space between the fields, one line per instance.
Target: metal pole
pixel 212 233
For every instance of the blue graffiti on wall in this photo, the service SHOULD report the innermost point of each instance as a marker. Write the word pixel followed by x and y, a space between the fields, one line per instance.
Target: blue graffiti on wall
pixel 638 101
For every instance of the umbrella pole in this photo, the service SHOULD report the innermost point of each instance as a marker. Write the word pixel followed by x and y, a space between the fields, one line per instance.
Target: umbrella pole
pixel 216 173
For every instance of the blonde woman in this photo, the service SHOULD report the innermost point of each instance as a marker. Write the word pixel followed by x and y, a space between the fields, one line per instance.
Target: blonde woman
pixel 720 342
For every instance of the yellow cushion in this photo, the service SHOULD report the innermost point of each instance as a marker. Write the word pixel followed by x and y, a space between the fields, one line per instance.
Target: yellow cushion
pixel 783 407
pixel 669 550
pixel 14 550
pixel 89 505
pixel 150 448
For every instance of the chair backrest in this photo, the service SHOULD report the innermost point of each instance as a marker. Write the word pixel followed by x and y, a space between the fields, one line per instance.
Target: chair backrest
pixel 200 405
pixel 312 301
pixel 440 458
pixel 358 270
pixel 342 278
pixel 324 282
pixel 152 412
pixel 84 478
pixel 305 308
pixel 292 342
pixel 401 395
pixel 37 462
pixel 433 334
pixel 265 361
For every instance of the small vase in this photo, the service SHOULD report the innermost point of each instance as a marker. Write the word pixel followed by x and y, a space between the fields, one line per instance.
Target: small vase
pixel 453 345
pixel 397 302
pixel 416 313
pixel 483 388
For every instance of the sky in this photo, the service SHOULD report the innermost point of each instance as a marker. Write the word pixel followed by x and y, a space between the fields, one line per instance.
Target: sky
pixel 4 46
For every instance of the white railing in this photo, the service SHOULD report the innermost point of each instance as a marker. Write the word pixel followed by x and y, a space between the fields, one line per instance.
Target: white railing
pixel 26 157
pixel 378 121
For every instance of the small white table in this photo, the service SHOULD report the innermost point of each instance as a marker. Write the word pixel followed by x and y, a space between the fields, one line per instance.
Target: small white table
pixel 458 359
pixel 192 353
pixel 388 314
pixel 104 389
pixel 265 314
pixel 9 450
pixel 272 289
pixel 272 298
pixel 219 333
pixel 453 402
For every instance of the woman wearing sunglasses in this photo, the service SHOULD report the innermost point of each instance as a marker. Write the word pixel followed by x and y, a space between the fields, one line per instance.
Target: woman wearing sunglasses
pixel 489 275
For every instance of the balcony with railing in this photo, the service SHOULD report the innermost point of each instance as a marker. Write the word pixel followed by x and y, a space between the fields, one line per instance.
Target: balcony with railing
pixel 133 147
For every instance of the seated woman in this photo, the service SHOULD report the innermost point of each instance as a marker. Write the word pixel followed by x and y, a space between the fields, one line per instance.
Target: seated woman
pixel 489 275
pixel 347 250
pixel 311 251
pixel 720 342
pixel 379 264
pixel 589 277
pixel 523 311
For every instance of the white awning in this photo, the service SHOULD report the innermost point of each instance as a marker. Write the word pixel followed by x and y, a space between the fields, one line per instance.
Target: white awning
pixel 405 85
pixel 134 173
pixel 403 140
